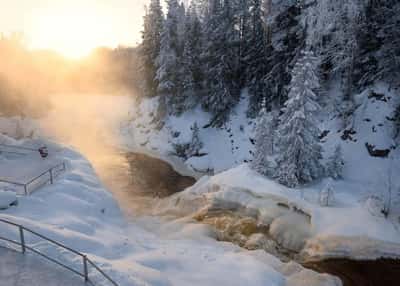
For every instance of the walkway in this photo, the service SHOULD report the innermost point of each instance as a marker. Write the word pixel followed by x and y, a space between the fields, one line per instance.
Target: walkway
pixel 17 269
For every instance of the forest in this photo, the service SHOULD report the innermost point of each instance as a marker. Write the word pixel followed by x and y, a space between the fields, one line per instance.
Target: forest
pixel 286 54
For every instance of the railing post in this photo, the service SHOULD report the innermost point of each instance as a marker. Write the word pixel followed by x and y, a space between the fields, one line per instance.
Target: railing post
pixel 22 238
pixel 25 190
pixel 85 268
pixel 51 176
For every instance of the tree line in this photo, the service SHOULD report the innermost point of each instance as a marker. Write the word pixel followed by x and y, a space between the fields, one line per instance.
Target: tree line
pixel 285 53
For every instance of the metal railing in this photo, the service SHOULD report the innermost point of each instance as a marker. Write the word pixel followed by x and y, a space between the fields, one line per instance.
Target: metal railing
pixel 18 147
pixel 50 173
pixel 86 262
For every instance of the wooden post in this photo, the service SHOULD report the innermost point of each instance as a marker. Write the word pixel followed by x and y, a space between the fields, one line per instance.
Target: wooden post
pixel 85 268
pixel 51 176
pixel 22 238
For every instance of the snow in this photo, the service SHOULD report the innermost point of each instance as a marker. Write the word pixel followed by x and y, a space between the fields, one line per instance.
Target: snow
pixel 79 212
pixel 6 199
pixel 20 270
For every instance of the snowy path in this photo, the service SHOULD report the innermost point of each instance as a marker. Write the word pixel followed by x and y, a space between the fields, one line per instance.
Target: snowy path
pixel 17 269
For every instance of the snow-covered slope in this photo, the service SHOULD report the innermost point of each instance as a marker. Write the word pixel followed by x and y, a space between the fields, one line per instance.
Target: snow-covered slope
pixel 80 213
pixel 369 180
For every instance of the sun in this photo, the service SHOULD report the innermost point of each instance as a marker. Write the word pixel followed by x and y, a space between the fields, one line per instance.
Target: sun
pixel 70 29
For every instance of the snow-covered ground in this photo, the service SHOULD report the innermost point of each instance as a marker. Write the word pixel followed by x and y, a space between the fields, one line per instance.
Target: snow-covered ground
pixel 79 212
pixel 353 226
pixel 22 270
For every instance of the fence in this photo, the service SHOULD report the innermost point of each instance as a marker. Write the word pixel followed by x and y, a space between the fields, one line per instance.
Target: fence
pixel 86 262
pixel 16 150
pixel 46 177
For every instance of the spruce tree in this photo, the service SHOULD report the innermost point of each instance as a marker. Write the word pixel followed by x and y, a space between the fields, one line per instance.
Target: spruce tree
pixel 195 144
pixel 150 47
pixel 284 47
pixel 335 164
pixel 300 151
pixel 255 58
pixel 221 82
pixel 191 72
pixel 265 139
pixel 168 59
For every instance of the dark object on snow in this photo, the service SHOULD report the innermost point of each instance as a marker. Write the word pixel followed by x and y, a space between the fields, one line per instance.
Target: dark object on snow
pixel 377 96
pixel 44 153
pixel 347 135
pixel 324 134
pixel 381 153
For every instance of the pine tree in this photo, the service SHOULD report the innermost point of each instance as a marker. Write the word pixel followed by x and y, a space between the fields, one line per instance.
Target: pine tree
pixel 150 47
pixel 256 58
pixel 264 149
pixel 300 152
pixel 287 41
pixel 191 72
pixel 221 89
pixel 195 145
pixel 168 59
pixel 335 165
pixel 389 66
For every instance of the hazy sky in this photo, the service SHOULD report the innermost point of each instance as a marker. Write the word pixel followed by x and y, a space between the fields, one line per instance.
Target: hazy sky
pixel 73 27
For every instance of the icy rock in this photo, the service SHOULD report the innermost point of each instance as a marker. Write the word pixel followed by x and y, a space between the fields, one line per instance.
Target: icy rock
pixel 291 231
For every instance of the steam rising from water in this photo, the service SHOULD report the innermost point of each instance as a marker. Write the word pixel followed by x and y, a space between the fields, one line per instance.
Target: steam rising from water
pixel 90 123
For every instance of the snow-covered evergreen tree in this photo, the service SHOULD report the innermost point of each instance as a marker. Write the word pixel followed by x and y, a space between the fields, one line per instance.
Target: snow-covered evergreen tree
pixel 150 47
pixel 255 58
pixel 191 72
pixel 300 151
pixel 221 61
pixel 195 144
pixel 286 40
pixel 390 51
pixel 168 59
pixel 335 165
pixel 265 139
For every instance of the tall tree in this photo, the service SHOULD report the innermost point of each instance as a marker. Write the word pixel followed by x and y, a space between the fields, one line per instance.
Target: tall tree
pixel 168 60
pixel 220 57
pixel 191 70
pixel 150 47
pixel 300 152
pixel 265 139
pixel 286 43
pixel 255 58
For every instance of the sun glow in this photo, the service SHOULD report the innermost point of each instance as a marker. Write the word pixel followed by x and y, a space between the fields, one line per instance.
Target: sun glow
pixel 71 29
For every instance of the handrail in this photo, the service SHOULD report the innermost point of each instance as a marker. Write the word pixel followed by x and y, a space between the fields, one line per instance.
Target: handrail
pixel 19 147
pixel 26 185
pixel 85 260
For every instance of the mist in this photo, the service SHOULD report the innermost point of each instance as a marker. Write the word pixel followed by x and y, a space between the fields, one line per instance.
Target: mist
pixel 30 80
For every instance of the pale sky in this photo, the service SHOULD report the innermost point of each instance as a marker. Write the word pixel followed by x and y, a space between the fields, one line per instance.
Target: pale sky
pixel 74 27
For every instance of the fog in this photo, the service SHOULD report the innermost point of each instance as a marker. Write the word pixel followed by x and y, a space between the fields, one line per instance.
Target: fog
pixel 30 80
